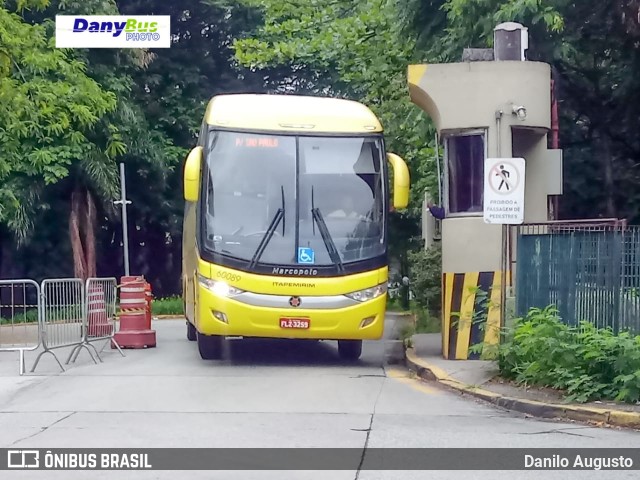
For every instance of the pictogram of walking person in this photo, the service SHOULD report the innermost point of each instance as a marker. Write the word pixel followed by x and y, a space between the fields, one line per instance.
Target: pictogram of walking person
pixel 504 175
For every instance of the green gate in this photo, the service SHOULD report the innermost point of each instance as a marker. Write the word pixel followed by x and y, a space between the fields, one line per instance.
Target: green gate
pixel 589 272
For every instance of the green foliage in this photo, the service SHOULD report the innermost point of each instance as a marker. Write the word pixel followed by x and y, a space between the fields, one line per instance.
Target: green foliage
pixel 426 278
pixel 49 107
pixel 167 306
pixel 30 315
pixel 426 322
pixel 24 316
pixel 445 27
pixel 348 49
pixel 394 304
pixel 586 362
pixel 487 14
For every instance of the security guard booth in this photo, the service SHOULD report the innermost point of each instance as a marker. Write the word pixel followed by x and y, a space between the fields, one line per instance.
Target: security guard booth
pixel 494 104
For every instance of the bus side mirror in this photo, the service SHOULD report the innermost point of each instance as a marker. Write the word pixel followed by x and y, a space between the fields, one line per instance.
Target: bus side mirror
pixel 192 175
pixel 401 181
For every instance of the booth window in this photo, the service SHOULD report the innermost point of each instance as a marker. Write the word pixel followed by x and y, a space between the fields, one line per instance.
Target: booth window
pixel 465 168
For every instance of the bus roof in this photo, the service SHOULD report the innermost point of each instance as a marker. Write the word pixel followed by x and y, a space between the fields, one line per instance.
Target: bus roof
pixel 290 113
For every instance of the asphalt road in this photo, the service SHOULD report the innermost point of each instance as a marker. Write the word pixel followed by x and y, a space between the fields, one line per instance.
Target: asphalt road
pixel 264 394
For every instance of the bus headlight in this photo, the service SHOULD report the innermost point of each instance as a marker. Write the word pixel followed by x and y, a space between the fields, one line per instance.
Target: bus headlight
pixel 222 289
pixel 368 293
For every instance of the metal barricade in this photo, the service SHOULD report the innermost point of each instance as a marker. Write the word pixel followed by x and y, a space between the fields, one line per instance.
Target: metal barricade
pixel 100 315
pixel 20 317
pixel 63 316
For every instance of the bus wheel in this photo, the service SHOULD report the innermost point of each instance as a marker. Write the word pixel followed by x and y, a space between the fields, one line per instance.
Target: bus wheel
pixel 191 331
pixel 350 349
pixel 210 346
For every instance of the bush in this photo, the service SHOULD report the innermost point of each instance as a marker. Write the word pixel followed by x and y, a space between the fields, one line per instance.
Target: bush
pixel 426 278
pixel 585 362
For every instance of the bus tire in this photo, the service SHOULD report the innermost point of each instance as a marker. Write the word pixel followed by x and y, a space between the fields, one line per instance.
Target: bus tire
pixel 210 346
pixel 350 349
pixel 191 332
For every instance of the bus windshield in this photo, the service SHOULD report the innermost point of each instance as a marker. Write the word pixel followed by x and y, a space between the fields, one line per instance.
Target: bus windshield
pixel 293 200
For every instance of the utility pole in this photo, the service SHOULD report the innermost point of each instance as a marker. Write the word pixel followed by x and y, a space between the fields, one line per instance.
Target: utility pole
pixel 125 232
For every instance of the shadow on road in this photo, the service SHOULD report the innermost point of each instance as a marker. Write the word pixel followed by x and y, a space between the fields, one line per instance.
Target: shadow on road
pixel 284 352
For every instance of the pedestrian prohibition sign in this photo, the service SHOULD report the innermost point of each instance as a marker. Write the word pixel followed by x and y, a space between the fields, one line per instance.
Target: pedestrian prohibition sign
pixel 504 190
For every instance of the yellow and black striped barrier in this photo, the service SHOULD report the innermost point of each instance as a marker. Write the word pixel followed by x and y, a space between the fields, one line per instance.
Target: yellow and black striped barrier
pixel 470 313
pixel 125 310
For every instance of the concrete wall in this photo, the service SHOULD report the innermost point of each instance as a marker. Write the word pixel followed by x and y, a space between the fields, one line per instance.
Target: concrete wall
pixel 470 245
pixel 532 146
pixel 466 95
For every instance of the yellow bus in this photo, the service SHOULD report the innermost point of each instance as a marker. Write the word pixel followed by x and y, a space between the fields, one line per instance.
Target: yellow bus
pixel 285 226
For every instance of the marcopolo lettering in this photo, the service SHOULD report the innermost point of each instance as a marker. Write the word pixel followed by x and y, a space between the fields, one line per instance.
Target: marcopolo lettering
pixel 294 271
pixel 131 26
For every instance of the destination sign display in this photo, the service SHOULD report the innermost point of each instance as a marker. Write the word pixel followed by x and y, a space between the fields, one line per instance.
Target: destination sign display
pixel 256 142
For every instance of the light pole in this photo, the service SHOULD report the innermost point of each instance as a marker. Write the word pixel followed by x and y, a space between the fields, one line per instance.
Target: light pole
pixel 125 232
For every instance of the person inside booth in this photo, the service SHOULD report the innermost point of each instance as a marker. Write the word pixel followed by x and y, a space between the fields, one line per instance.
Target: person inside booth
pixel 435 210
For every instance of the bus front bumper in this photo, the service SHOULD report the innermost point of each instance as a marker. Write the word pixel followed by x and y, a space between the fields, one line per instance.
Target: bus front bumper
pixel 232 317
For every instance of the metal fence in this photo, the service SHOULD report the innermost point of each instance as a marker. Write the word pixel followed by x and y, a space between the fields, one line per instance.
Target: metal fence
pixel 589 271
pixel 55 314
pixel 63 316
pixel 99 316
pixel 20 317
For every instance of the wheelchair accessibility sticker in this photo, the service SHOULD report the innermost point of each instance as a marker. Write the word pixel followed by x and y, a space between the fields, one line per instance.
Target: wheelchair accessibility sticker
pixel 306 255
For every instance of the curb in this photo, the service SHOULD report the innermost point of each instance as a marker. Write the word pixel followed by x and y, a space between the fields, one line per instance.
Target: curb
pixel 616 418
pixel 167 317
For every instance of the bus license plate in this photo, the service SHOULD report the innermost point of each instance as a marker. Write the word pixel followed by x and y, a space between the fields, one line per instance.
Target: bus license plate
pixel 302 323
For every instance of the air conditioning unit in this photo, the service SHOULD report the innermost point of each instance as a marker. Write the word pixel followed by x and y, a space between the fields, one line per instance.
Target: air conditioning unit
pixel 510 41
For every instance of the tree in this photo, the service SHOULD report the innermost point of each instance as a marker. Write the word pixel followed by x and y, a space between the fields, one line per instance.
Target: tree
pixel 353 50
pixel 48 106
pixel 93 176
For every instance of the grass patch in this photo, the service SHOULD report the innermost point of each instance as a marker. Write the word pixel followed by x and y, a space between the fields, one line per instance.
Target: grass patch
pixel 395 308
pixel 53 314
pixel 24 316
pixel 394 305
pixel 426 323
pixel 422 322
pixel 167 306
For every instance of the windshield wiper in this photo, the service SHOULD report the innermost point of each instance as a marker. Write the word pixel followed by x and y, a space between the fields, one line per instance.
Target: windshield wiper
pixel 326 238
pixel 266 238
